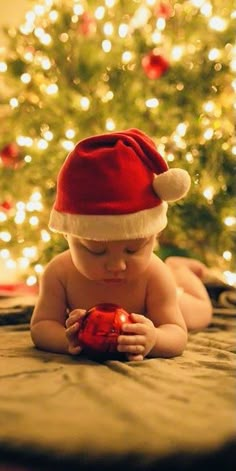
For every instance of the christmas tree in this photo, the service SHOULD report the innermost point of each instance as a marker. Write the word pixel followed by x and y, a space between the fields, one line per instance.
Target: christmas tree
pixel 76 68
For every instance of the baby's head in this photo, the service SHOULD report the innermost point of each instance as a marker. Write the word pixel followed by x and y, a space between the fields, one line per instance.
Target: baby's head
pixel 115 186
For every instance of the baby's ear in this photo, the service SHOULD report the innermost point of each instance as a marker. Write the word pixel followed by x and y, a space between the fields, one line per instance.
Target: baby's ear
pixel 65 235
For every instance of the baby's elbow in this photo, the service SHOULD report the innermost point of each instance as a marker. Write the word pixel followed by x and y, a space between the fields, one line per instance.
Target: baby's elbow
pixel 34 333
pixel 181 343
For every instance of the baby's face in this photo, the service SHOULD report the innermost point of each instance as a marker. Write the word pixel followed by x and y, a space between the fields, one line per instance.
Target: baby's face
pixel 111 262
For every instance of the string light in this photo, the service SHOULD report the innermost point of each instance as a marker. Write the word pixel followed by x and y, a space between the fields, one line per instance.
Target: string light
pixel 108 29
pixel 214 54
pixel 152 103
pixel 208 193
pixel 170 157
pixel 68 145
pixel 23 263
pixel 38 268
pixel 42 144
pixel 217 23
pixel 84 103
pixel 53 15
pixel 230 278
pixel 110 3
pixel 108 96
pixel 3 66
pixel 230 221
pixel 206 9
pixel 48 135
pixel 3 217
pixel 4 253
pixel 70 133
pixel 141 17
pixel 127 56
pixel 106 45
pixel 99 13
pixel 78 9
pixel 46 63
pixel 52 89
pixel 110 124
pixel 227 255
pixel 14 103
pixel 5 236
pixel 45 236
pixel 156 37
pixel 161 24
pixel 19 217
pixel 34 221
pixel 31 280
pixel 208 134
pixel 26 78
pixel 177 53
pixel 24 141
pixel 123 30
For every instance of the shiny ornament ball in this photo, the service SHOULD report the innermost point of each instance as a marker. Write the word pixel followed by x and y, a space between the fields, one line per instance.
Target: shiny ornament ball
pixel 100 328
pixel 154 65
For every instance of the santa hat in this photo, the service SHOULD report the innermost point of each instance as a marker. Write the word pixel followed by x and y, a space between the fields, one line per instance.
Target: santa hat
pixel 115 186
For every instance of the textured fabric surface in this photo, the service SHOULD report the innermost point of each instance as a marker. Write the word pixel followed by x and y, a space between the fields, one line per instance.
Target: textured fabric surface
pixel 68 406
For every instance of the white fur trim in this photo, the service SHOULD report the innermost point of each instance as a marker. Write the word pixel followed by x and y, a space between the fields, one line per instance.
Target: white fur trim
pixel 111 227
pixel 172 184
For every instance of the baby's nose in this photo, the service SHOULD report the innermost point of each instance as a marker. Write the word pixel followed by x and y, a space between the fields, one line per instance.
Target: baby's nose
pixel 116 265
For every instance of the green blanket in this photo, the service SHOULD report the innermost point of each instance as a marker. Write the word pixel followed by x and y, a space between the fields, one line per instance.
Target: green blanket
pixel 55 407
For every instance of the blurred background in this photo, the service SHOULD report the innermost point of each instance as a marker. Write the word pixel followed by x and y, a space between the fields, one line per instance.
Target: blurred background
pixel 11 14
pixel 73 68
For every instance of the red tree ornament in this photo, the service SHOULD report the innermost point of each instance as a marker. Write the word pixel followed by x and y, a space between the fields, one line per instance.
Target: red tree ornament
pixel 154 65
pixel 10 155
pixel 100 328
pixel 87 25
pixel 6 205
pixel 163 10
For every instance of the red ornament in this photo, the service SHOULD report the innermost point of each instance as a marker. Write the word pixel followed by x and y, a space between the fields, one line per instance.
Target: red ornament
pixel 10 155
pixel 100 328
pixel 87 25
pixel 164 10
pixel 154 65
pixel 6 205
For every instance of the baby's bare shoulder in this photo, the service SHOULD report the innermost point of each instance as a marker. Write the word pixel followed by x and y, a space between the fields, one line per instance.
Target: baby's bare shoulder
pixel 59 265
pixel 160 273
pixel 157 266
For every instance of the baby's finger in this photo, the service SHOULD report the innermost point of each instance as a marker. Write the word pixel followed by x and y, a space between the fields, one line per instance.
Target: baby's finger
pixel 74 316
pixel 139 318
pixel 133 349
pixel 138 357
pixel 74 350
pixel 138 329
pixel 71 330
pixel 131 340
pixel 77 313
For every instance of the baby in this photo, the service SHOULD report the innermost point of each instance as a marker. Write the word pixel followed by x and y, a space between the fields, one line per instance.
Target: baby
pixel 112 198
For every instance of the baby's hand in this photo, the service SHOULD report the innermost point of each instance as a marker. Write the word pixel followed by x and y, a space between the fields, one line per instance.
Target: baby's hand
pixel 139 338
pixel 72 328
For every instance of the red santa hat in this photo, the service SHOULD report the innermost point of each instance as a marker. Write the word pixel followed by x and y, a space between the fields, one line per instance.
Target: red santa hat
pixel 115 186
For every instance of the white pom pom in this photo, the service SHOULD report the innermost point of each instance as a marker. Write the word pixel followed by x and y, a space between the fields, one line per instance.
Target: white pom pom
pixel 172 184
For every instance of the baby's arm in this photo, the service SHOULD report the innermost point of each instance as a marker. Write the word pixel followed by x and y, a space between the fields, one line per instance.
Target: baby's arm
pixel 162 333
pixel 48 320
